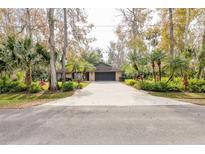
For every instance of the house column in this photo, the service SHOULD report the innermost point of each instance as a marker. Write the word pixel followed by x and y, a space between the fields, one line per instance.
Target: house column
pixel 117 76
pixel 91 76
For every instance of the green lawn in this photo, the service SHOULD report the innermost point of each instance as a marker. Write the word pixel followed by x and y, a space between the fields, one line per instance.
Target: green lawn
pixel 21 100
pixel 195 98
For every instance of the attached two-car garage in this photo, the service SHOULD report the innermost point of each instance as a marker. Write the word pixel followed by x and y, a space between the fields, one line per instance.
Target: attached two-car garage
pixel 104 76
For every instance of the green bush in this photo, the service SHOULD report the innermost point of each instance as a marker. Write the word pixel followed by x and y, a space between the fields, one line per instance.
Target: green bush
pixel 158 86
pixel 68 86
pixel 122 77
pixel 7 85
pixel 75 85
pixel 18 87
pixel 130 82
pixel 196 85
pixel 80 86
pixel 34 88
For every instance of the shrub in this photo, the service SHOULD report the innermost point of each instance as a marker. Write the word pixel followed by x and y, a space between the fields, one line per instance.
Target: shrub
pixel 175 86
pixel 196 85
pixel 68 86
pixel 6 85
pixel 122 77
pixel 75 85
pixel 34 88
pixel 18 87
pixel 80 86
pixel 158 86
pixel 130 82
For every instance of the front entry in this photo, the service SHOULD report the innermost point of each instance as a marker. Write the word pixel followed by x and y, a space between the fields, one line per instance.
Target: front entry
pixel 104 76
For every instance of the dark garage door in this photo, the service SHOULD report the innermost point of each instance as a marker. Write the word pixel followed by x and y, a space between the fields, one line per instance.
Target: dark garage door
pixel 104 76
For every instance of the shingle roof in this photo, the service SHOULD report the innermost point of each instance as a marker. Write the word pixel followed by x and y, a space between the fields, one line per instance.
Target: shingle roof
pixel 102 67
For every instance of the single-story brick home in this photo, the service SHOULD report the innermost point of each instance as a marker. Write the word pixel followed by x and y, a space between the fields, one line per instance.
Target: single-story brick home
pixel 103 72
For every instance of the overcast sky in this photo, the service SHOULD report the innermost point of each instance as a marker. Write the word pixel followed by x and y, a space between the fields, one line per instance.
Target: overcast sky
pixel 105 21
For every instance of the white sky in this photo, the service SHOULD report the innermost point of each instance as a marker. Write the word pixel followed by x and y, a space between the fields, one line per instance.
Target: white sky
pixel 105 21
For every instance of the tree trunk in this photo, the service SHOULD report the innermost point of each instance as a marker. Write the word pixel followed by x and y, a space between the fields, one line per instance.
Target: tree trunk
pixel 53 85
pixel 186 28
pixel 28 78
pixel 65 46
pixel 28 26
pixel 199 72
pixel 160 72
pixel 171 77
pixel 153 71
pixel 171 33
pixel 201 67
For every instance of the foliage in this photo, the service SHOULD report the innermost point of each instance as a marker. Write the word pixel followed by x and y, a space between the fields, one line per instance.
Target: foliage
pixel 9 59
pixel 39 73
pixel 196 85
pixel 18 87
pixel 68 86
pixel 93 57
pixel 80 86
pixel 176 85
pixel 130 82
pixel 129 71
pixel 23 54
pixel 160 86
pixel 34 88
pixel 7 85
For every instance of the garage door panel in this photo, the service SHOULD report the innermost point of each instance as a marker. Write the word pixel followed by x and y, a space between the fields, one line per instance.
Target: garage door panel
pixel 105 76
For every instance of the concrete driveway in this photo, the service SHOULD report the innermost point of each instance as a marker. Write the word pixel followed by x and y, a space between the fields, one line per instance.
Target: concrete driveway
pixel 105 113
pixel 112 94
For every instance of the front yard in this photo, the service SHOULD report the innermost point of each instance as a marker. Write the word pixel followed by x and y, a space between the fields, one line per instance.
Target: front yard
pixel 26 99
pixel 195 98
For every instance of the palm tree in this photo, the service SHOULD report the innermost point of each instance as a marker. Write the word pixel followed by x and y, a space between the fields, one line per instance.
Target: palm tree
pixel 133 58
pixel 158 56
pixel 84 67
pixel 179 65
pixel 28 56
pixel 24 54
pixel 153 59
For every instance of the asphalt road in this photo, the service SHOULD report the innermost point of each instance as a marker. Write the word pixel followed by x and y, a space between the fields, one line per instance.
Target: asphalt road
pixel 146 120
pixel 104 125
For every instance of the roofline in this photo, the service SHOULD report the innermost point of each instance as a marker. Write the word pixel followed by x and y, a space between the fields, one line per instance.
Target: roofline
pixel 102 63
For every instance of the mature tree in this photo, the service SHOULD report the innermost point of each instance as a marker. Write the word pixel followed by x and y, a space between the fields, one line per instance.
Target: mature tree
pixel 53 82
pixel 93 56
pixel 186 27
pixel 117 50
pixel 171 32
pixel 134 21
pixel 65 45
